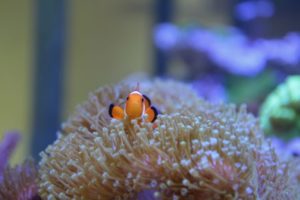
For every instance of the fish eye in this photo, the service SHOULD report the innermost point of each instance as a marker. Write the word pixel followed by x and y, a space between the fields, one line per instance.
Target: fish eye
pixel 142 99
pixel 127 98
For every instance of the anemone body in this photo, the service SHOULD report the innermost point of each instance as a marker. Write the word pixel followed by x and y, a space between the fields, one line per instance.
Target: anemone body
pixel 196 150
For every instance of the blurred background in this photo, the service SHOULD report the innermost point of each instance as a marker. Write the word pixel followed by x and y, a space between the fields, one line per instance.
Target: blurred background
pixel 53 53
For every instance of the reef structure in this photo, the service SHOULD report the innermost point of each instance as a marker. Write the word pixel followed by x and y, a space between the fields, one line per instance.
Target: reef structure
pixel 197 150
pixel 280 112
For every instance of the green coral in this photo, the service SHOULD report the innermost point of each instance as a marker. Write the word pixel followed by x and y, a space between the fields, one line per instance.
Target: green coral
pixel 280 113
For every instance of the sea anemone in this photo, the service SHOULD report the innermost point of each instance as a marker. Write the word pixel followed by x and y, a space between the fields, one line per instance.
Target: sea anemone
pixel 195 150
pixel 19 182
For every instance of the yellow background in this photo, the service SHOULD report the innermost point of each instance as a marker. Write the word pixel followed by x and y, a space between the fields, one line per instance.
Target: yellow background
pixel 16 51
pixel 103 47
pixel 108 40
pixel 105 42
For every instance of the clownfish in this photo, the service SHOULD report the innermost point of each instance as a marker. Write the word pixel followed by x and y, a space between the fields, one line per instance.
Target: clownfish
pixel 136 106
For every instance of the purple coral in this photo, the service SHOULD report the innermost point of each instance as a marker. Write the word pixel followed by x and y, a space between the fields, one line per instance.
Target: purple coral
pixel 249 10
pixel 294 147
pixel 231 49
pixel 210 89
pixel 7 146
pixel 166 36
pixel 20 182
pixel 286 149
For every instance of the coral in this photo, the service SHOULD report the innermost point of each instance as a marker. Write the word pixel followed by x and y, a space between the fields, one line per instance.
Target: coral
pixel 250 56
pixel 249 10
pixel 197 150
pixel 286 149
pixel 7 146
pixel 19 183
pixel 280 112
pixel 210 89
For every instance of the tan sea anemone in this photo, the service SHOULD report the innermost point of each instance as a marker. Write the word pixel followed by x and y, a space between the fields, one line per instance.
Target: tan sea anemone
pixel 197 151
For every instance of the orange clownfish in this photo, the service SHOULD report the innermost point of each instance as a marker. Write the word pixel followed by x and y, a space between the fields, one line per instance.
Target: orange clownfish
pixel 136 106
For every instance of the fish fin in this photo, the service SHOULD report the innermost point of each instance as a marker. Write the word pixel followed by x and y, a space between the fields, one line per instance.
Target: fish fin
pixel 152 114
pixel 116 112
pixel 147 101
